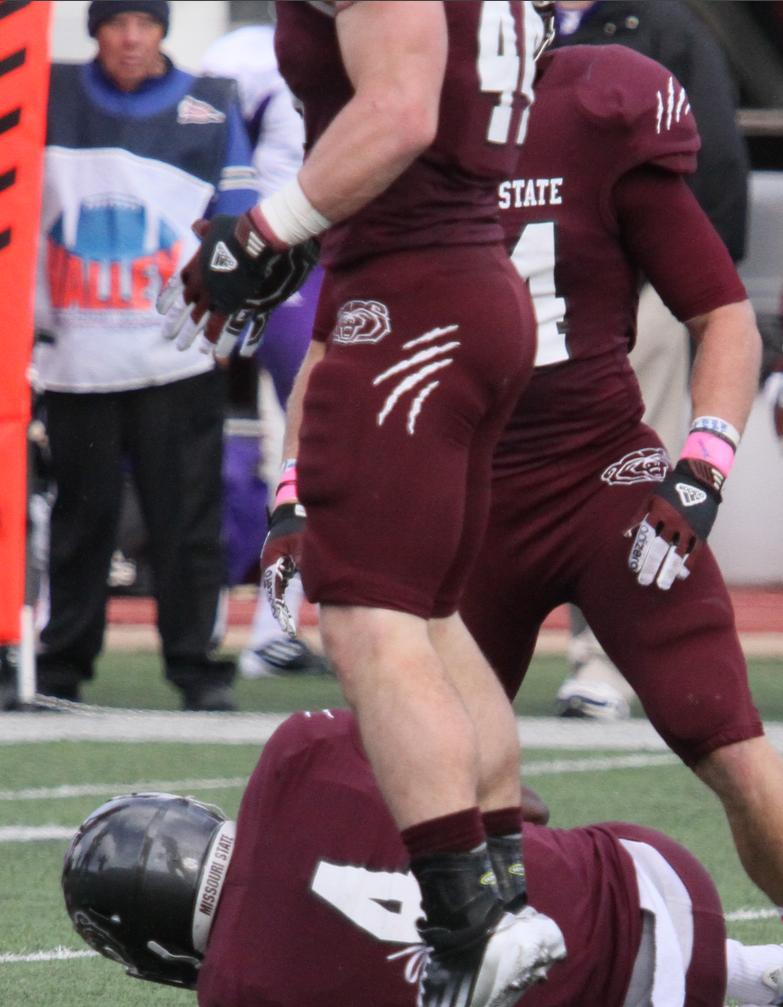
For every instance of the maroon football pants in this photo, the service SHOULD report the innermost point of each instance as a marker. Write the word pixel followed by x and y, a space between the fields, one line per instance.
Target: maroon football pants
pixel 556 535
pixel 427 352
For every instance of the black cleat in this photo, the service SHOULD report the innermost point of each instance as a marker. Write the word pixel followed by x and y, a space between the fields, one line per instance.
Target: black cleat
pixel 209 698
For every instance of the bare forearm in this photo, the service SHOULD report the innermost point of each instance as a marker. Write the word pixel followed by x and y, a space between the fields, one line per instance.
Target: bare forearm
pixel 359 156
pixel 726 369
pixel 393 113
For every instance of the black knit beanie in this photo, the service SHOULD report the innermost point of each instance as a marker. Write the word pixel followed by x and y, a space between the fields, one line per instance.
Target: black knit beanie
pixel 102 10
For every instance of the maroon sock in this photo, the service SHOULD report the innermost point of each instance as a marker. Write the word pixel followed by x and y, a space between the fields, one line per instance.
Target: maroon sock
pixel 458 832
pixel 503 821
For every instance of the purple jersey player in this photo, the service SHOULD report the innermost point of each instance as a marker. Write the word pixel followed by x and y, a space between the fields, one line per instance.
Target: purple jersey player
pixel 599 196
pixel 308 900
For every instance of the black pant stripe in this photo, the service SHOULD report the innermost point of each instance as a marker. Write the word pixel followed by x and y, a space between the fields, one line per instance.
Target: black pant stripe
pixel 8 7
pixel 12 62
pixel 9 120
pixel 5 238
pixel 7 179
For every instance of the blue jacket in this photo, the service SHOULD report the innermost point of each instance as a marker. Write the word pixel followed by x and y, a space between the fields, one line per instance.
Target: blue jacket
pixel 125 176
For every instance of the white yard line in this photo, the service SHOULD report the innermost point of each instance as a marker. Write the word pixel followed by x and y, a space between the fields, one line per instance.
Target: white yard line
pixel 55 955
pixel 550 767
pixel 94 724
pixel 744 915
pixel 96 789
pixel 60 954
pixel 24 833
pixel 34 833
pixel 131 636
pixel 65 954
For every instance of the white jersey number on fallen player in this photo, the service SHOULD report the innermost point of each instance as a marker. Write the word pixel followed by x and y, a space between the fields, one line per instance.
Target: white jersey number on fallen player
pixel 385 904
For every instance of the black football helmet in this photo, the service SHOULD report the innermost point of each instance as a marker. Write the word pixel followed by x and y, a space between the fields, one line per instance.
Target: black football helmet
pixel 142 878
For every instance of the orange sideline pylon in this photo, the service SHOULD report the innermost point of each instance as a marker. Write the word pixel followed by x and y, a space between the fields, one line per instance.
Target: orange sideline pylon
pixel 24 79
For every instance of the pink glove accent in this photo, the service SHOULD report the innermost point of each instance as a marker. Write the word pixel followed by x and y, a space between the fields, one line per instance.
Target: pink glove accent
pixel 286 491
pixel 709 448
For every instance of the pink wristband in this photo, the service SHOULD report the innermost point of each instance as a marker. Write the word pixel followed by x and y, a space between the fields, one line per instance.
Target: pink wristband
pixel 286 489
pixel 709 448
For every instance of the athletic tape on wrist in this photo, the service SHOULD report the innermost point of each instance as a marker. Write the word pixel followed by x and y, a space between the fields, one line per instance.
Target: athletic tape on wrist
pixel 710 448
pixel 721 428
pixel 287 217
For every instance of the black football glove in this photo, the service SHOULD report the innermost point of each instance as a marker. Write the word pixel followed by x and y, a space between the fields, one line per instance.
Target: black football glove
pixel 245 328
pixel 284 275
pixel 280 559
pixel 676 521
pixel 233 269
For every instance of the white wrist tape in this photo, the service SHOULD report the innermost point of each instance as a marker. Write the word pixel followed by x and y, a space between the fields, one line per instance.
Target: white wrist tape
pixel 715 425
pixel 291 215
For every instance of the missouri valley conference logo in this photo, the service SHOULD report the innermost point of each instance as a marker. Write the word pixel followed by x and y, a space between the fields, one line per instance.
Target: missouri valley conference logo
pixel 116 258
pixel 194 112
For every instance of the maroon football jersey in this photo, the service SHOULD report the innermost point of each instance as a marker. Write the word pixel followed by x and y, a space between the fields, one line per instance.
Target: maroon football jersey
pixel 600 113
pixel 318 907
pixel 448 195
pixel 610 136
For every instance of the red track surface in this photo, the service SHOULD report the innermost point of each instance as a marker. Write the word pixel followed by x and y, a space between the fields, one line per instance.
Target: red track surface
pixel 758 610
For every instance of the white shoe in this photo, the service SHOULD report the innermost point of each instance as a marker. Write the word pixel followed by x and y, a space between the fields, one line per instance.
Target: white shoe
pixel 773 980
pixel 595 688
pixel 754 973
pixel 598 700
pixel 518 952
pixel 282 656
pixel 123 571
